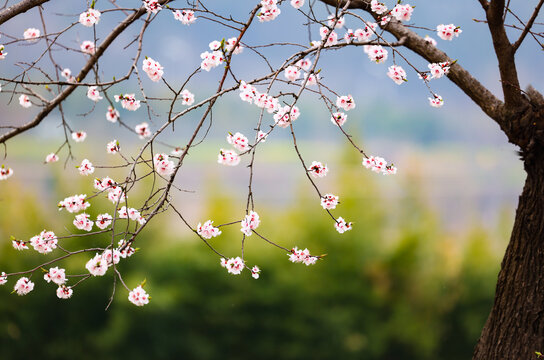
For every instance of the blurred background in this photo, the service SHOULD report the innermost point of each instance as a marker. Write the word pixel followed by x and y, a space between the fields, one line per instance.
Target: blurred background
pixel 415 278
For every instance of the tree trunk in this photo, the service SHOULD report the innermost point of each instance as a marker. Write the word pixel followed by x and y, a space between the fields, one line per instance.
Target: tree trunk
pixel 515 327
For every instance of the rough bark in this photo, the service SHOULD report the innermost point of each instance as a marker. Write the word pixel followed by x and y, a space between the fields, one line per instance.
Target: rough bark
pixel 19 8
pixel 515 327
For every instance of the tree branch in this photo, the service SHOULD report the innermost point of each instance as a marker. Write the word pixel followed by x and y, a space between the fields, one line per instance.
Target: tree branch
pixel 504 51
pixel 461 77
pixel 18 8
pixel 84 71
pixel 528 26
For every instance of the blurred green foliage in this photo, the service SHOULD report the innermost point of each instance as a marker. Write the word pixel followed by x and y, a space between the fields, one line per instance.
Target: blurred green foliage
pixel 396 287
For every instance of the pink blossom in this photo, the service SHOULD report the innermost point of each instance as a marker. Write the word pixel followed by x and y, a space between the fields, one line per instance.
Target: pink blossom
pixel 89 18
pixel 79 136
pixel 138 296
pixel 24 101
pixel 186 17
pixel 88 47
pixel 448 32
pixel 143 130
pixel 339 118
pixel 397 74
pixel 238 141
pixel 19 245
pixel 228 157
pixel 317 169
pixel 97 266
pixel 103 221
pixel 56 275
pixel 51 158
pixel 31 34
pixel 82 222
pixel 23 286
pixel 250 223
pixel 436 101
pixel 342 226
pixel 112 115
pixel 402 12
pixel 345 102
pixel 329 201
pixel 64 292
pixel 86 168
pixel 5 172
pixel 207 231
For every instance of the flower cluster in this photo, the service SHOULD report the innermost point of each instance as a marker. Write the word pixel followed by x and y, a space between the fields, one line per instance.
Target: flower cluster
pixel 74 204
pixel 269 10
pixel 448 32
pixel 132 214
pixel 378 7
pixel 115 192
pixel 228 157
pixel 163 166
pixel 5 172
pixel 211 59
pixel 330 36
pixel 376 53
pixel 19 244
pixel 3 278
pixel 238 141
pixel 286 115
pixel 128 101
pixel 329 201
pixel 152 68
pixel 113 147
pixel 379 165
pixel 339 118
pixel 436 101
pixel 402 12
pixel 97 266
pixel 302 256
pixel 249 93
pixel 187 17
pixel 206 230
pixel 103 221
pixel 342 226
pixel 86 168
pixel 317 169
pixel 23 286
pixel 152 6
pixel 64 292
pixel 234 266
pixel 89 17
pixel 439 69
pixel 56 275
pixel 82 222
pixel 45 242
pixel 250 223
pixel 187 97
pixel 345 102
pixel 397 74
pixel 138 296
